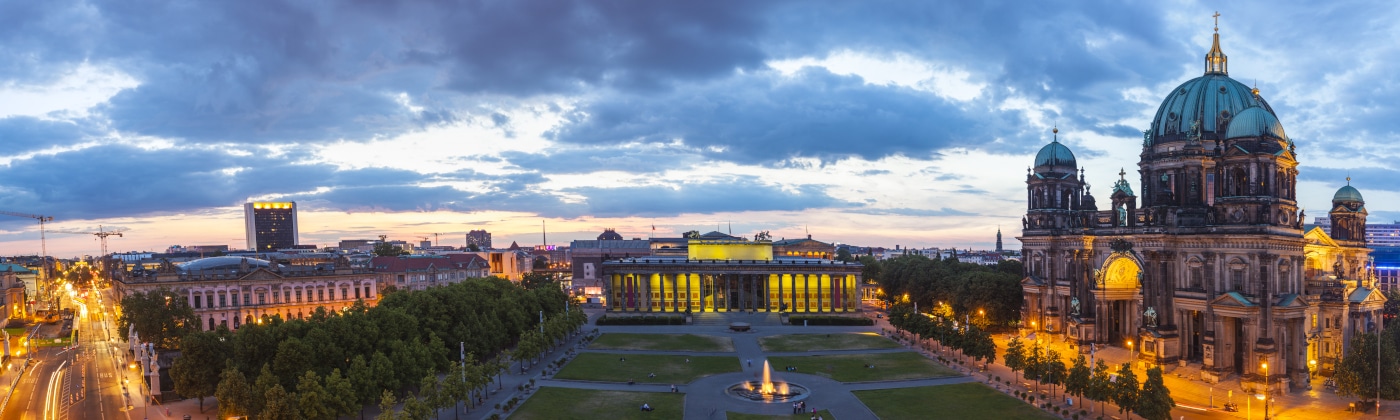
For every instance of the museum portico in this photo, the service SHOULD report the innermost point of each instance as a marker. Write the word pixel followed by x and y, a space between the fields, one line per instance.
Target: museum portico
pixel 730 275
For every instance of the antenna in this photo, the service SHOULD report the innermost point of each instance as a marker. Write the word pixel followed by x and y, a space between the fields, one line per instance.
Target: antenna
pixel 544 233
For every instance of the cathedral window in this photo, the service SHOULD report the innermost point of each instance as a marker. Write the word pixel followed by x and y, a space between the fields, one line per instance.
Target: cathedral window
pixel 1196 276
pixel 1236 281
pixel 1210 189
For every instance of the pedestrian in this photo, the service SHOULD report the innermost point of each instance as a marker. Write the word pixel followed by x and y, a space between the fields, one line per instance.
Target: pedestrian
pixel 750 362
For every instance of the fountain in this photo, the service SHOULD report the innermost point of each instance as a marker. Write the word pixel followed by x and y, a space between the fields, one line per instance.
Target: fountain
pixel 767 391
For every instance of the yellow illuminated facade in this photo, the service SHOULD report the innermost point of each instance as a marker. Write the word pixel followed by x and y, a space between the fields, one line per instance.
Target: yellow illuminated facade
pixel 722 276
pixel 730 250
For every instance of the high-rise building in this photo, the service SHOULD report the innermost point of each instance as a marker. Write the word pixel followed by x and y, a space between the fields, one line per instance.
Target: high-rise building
pixel 270 225
pixel 481 238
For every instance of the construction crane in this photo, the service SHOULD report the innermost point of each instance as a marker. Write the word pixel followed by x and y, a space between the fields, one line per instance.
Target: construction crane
pixel 102 233
pixel 43 246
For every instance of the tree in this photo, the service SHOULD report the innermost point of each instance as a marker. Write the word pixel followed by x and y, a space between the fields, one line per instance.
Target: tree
pixel 312 400
pixel 1356 375
pixel 160 316
pixel 473 248
pixel 1125 390
pixel 386 406
pixel 1156 400
pixel 694 234
pixel 385 249
pixel 537 280
pixel 416 408
pixel 1078 381
pixel 455 387
pixel 341 393
pixel 1015 357
pixel 844 254
pixel 430 392
pixel 540 263
pixel 196 372
pixel 870 270
pixel 1054 370
pixel 233 392
pixel 280 404
pixel 257 397
pixel 1035 365
pixel 1100 386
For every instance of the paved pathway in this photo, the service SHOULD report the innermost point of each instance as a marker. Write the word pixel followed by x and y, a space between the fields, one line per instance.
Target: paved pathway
pixel 705 398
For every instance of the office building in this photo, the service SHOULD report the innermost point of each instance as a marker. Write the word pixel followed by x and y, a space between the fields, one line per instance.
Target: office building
pixel 271 226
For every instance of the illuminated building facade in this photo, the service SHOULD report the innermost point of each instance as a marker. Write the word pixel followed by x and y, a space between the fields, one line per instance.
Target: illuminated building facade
pixel 730 275
pixel 1207 262
pixel 804 248
pixel 232 291
pixel 270 225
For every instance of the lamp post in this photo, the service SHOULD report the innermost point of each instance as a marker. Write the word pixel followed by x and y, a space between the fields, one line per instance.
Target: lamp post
pixel 1130 351
pixel 1265 365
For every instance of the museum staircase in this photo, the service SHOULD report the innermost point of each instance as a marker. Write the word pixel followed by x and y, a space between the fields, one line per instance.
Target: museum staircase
pixel 725 318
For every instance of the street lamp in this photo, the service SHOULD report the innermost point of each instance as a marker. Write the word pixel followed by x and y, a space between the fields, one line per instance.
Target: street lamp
pixel 1265 366
pixel 1130 351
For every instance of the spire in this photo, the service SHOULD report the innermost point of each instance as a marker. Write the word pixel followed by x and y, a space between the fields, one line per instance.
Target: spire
pixel 1216 62
pixel 1056 133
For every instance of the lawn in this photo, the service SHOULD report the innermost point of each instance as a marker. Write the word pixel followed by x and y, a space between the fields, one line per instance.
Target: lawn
pixel 853 367
pixel 814 342
pixel 826 414
pixel 663 342
pixel 960 401
pixel 584 404
pixel 668 369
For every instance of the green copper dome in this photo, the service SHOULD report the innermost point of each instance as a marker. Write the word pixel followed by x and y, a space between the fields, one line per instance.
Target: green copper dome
pixel 1055 155
pixel 1200 108
pixel 1347 193
pixel 1255 122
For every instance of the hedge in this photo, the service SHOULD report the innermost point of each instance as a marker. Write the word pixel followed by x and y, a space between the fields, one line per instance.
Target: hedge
pixel 829 320
pixel 641 320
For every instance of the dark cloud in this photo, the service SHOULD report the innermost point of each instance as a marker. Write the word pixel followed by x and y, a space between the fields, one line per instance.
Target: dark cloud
pixel 769 117
pixel 732 195
pixel 22 134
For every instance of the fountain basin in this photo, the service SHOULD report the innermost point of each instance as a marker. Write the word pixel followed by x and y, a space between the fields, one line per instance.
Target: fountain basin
pixel 774 392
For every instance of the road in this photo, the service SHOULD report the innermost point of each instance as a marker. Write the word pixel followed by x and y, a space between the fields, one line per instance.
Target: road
pixel 88 382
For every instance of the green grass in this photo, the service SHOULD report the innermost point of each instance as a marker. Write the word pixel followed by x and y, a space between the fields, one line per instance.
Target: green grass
pixel 663 342
pixel 852 367
pixel 826 414
pixel 552 403
pixel 668 369
pixel 815 342
pixel 960 401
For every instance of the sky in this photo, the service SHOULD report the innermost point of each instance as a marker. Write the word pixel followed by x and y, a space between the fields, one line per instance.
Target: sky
pixel 872 123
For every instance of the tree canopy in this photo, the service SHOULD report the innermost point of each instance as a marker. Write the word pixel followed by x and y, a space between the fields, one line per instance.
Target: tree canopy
pixel 161 317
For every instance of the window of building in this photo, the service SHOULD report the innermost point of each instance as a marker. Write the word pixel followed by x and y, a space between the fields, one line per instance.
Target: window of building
pixel 1314 321
pixel 357 293
pixel 246 300
pixel 320 294
pixel 262 298
pixel 298 295
pixel 209 301
pixel 222 301
pixel 197 302
pixel 344 293
pixel 287 296
pixel 234 296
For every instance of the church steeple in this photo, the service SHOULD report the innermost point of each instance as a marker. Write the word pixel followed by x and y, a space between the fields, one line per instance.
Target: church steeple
pixel 998 239
pixel 1216 61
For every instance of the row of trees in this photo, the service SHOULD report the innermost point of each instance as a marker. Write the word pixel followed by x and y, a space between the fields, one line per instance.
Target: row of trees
pixel 408 337
pixel 969 340
pixel 1363 369
pixel 1152 401
pixel 965 288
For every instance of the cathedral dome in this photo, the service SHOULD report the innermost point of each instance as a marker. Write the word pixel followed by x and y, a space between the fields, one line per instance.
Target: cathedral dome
pixel 609 235
pixel 1255 122
pixel 1203 106
pixel 1055 154
pixel 1347 193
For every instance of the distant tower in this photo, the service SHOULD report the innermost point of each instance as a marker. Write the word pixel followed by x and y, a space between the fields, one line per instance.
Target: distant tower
pixel 270 225
pixel 481 238
pixel 998 239
pixel 1348 215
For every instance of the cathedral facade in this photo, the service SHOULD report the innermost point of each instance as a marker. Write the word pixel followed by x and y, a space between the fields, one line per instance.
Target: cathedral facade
pixel 1210 264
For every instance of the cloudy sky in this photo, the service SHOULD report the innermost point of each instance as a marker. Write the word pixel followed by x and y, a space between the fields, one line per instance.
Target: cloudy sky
pixel 876 123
